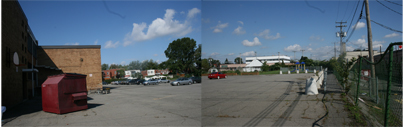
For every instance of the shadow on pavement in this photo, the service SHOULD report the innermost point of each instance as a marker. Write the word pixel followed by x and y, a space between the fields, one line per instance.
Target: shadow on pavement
pixel 27 107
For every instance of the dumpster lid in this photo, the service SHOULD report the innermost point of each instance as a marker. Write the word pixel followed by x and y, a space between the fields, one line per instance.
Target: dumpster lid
pixel 67 74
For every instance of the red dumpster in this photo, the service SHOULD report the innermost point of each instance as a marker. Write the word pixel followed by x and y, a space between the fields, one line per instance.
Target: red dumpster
pixel 64 93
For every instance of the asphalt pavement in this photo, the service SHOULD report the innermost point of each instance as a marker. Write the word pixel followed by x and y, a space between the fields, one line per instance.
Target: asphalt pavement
pixel 269 100
pixel 126 105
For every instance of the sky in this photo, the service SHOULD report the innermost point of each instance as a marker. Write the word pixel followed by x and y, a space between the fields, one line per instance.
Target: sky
pixel 142 30
pixel 126 30
pixel 239 28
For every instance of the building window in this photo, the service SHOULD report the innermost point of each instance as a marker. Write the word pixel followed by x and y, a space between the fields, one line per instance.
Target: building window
pixel 107 73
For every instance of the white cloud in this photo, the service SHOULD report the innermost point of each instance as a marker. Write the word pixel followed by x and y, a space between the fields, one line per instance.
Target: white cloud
pixel 240 22
pixel 250 53
pixel 359 25
pixel 230 54
pixel 158 61
pixel 96 42
pixel 254 43
pixel 294 47
pixel 76 43
pixel 123 63
pixel 266 35
pixel 214 54
pixel 158 28
pixel 392 35
pixel 239 31
pixel 316 38
pixel 219 27
pixel 360 43
pixel 155 54
pixel 182 12
pixel 193 12
pixel 206 20
pixel 110 44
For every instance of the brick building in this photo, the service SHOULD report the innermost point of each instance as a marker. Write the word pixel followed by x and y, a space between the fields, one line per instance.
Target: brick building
pixel 153 72
pixel 82 59
pixel 22 80
pixel 17 38
pixel 111 73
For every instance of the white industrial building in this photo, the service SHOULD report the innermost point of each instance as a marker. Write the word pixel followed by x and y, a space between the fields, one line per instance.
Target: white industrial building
pixel 269 59
pixel 130 73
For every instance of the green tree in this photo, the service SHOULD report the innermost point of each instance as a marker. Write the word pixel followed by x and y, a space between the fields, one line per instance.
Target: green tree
pixel 120 73
pixel 113 66
pixel 226 61
pixel 162 65
pixel 265 67
pixel 205 65
pixel 135 65
pixel 105 66
pixel 181 55
pixel 150 64
pixel 198 61
pixel 238 60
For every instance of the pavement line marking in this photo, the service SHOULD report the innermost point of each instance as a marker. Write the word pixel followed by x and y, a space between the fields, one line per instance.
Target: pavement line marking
pixel 163 97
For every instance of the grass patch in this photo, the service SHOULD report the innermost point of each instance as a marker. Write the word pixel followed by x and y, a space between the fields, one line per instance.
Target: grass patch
pixel 354 113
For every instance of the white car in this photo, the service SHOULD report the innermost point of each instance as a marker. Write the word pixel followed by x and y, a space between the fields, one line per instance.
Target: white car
pixel 163 80
pixel 115 83
pixel 181 81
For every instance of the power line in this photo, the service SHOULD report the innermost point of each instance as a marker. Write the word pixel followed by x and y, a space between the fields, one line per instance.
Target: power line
pixel 386 27
pixel 389 8
pixel 362 8
pixel 353 9
pixel 393 2
pixel 345 11
pixel 354 15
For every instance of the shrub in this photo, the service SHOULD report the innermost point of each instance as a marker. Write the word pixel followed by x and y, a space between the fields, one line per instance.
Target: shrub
pixel 238 72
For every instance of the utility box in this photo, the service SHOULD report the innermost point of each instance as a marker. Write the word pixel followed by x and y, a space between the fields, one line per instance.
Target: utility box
pixel 64 93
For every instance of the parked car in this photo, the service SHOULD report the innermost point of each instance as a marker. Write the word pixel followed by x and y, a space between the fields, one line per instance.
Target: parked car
pixel 104 83
pixel 217 75
pixel 196 79
pixel 150 82
pixel 115 83
pixel 139 81
pixel 124 82
pixel 133 81
pixel 163 80
pixel 181 81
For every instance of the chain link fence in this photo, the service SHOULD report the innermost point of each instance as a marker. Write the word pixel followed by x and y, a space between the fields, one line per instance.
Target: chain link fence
pixel 381 94
pixel 294 68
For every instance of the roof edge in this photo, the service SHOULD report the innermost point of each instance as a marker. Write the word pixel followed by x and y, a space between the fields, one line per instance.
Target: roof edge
pixel 69 46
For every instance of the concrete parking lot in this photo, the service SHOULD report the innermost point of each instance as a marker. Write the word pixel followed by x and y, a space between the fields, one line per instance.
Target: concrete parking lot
pixel 126 105
pixel 267 100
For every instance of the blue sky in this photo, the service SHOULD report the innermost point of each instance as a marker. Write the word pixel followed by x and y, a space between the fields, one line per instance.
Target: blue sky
pixel 126 30
pixel 240 28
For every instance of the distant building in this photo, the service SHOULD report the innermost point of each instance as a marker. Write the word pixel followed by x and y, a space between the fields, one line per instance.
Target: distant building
pixel 111 73
pixel 355 54
pixel 153 72
pixel 131 73
pixel 269 59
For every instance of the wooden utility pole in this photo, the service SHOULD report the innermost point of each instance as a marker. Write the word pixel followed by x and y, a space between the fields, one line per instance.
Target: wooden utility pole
pixel 302 53
pixel 370 50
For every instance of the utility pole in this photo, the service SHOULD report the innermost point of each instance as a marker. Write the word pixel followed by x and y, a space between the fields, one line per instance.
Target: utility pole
pixel 370 50
pixel 294 54
pixel 302 53
pixel 342 34
pixel 335 50
pixel 278 57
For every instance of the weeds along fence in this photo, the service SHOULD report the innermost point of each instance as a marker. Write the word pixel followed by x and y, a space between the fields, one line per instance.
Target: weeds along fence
pixel 381 94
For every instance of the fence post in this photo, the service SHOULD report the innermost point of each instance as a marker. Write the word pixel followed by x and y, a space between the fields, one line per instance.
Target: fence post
pixel 389 85
pixel 377 96
pixel 358 83
pixel 370 85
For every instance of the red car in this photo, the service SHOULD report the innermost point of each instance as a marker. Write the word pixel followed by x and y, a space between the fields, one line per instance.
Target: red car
pixel 217 75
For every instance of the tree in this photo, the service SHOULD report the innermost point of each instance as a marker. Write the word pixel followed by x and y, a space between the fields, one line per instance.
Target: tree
pixel 120 73
pixel 238 60
pixel 265 67
pixel 181 55
pixel 150 64
pixel 197 58
pixel 226 61
pixel 135 65
pixel 205 65
pixel 113 66
pixel 105 66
